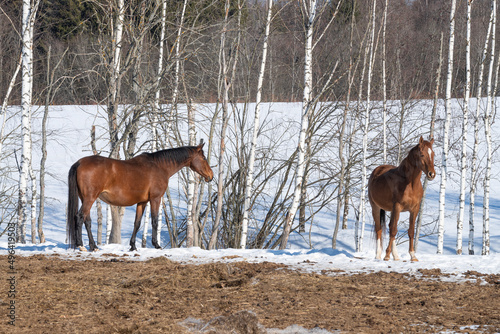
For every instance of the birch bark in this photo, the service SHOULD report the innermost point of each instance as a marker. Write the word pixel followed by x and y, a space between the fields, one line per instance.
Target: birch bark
pixel 360 234
pixel 226 85
pixel 310 10
pixel 28 18
pixel 465 125
pixel 487 132
pixel 475 148
pixel 255 132
pixel 444 167
pixel 431 135
pixel 116 212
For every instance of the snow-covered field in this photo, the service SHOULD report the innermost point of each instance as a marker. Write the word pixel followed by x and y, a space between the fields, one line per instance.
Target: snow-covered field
pixel 70 138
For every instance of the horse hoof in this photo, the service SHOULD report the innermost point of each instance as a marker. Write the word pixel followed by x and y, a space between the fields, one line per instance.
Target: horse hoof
pixel 82 248
pixel 95 249
pixel 414 259
pixel 387 258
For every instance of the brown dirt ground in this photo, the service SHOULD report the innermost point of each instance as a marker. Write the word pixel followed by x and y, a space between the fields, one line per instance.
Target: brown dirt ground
pixel 117 295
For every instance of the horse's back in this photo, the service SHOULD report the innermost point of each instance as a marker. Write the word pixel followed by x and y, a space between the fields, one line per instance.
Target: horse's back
pixel 118 182
pixel 380 186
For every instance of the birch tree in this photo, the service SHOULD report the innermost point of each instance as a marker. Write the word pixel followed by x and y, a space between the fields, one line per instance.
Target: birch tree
pixel 114 86
pixel 192 239
pixel 384 82
pixel 446 129
pixel 255 131
pixel 487 133
pixel 431 135
pixel 226 82
pixel 28 20
pixel 371 46
pixel 309 8
pixel 475 148
pixel 465 125
pixel 155 118
pixel 343 187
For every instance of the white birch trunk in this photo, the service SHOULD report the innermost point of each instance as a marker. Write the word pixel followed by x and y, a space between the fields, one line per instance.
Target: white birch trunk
pixel 465 125
pixel 28 17
pixel 475 148
pixel 360 234
pixel 310 9
pixel 117 50
pixel 175 92
pixel 33 204
pixel 191 182
pixel 444 169
pixel 115 234
pixel 342 193
pixel 431 134
pixel 158 108
pixel 256 123
pixel 226 85
pixel 487 132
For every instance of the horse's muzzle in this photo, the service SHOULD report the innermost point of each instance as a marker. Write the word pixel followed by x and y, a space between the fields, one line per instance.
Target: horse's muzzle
pixel 431 175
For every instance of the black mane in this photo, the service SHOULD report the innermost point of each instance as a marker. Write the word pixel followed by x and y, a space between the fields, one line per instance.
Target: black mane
pixel 177 155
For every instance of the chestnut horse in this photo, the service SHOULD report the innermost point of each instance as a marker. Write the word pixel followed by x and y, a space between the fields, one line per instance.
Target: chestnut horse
pixel 139 180
pixel 399 189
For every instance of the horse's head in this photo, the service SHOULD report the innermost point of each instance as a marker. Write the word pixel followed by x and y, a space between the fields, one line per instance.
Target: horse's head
pixel 426 159
pixel 200 164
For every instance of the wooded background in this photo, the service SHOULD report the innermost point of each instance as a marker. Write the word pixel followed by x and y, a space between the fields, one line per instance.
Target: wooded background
pixel 143 60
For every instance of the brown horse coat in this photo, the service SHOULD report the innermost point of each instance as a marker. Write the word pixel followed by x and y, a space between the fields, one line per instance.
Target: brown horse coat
pixel 139 180
pixel 399 189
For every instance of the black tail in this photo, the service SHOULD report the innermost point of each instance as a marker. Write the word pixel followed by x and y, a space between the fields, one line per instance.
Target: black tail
pixel 382 222
pixel 72 205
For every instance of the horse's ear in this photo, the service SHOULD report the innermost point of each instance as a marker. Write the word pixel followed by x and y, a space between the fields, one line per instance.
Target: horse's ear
pixel 431 141
pixel 421 140
pixel 200 146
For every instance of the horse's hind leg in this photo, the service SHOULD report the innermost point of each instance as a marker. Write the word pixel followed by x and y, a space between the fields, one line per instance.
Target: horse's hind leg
pixel 79 224
pixel 88 226
pixel 376 213
pixel 84 217
pixel 155 207
pixel 137 224
pixel 393 230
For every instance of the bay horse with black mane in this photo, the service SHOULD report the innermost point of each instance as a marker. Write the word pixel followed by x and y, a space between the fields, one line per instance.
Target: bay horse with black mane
pixel 399 189
pixel 139 180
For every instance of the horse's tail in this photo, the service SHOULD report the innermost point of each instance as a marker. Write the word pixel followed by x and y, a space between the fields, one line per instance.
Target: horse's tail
pixel 382 220
pixel 72 205
pixel 382 225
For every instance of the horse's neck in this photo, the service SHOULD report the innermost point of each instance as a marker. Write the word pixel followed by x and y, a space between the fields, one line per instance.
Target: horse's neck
pixel 172 167
pixel 410 170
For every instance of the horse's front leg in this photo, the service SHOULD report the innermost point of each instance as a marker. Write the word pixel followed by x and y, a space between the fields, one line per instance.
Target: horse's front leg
pixel 137 224
pixel 393 231
pixel 411 233
pixel 155 207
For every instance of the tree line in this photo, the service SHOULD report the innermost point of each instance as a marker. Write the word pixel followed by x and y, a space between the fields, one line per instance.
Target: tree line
pixel 357 66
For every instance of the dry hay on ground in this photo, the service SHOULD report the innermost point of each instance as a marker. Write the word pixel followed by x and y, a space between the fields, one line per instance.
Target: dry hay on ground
pixel 117 295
